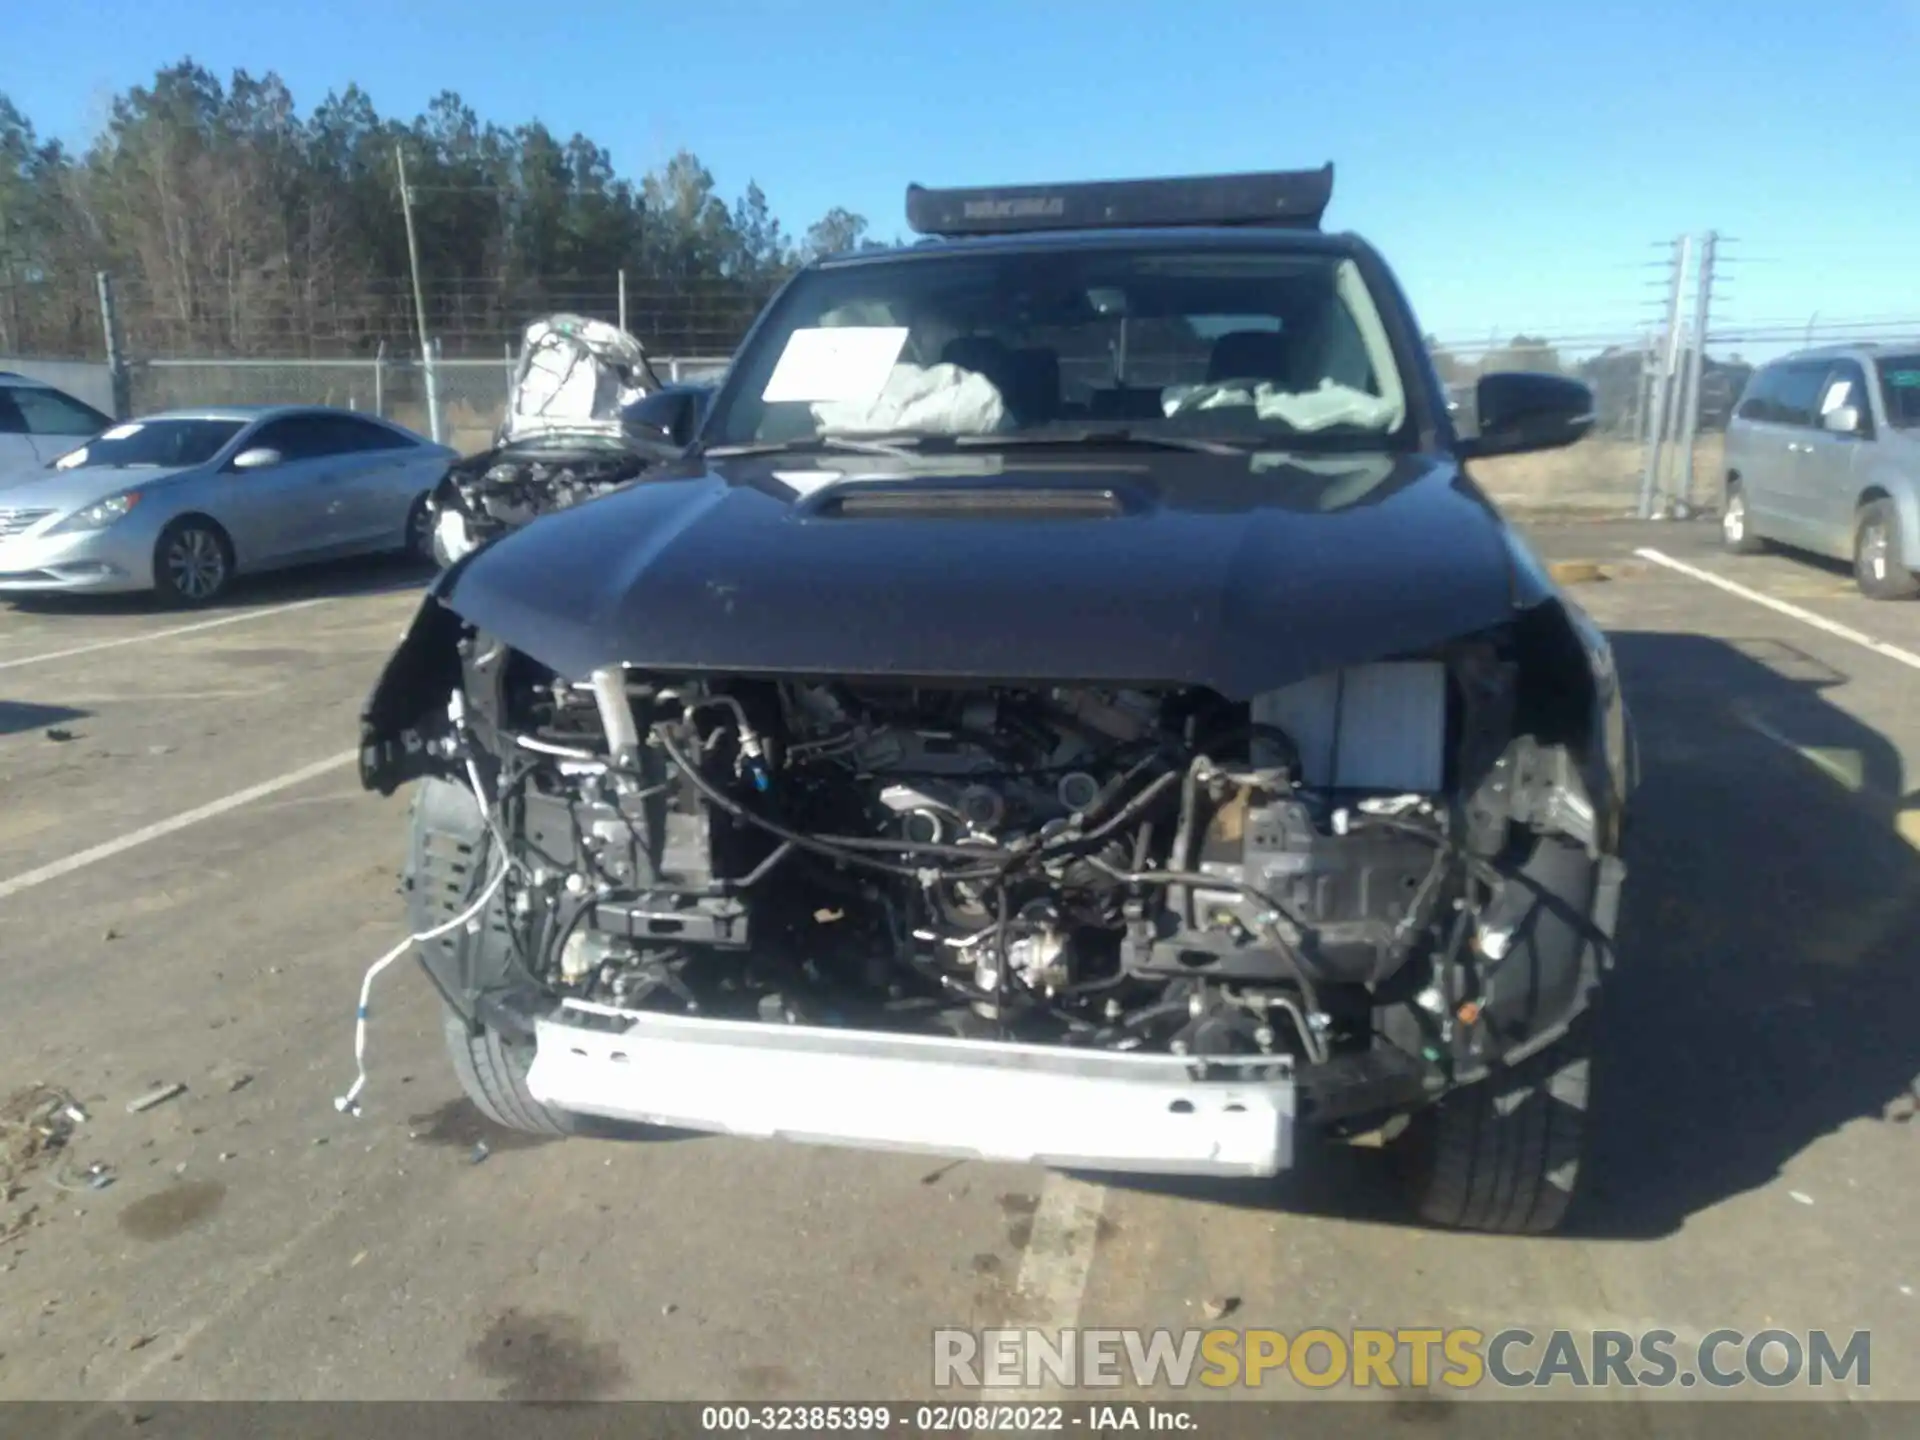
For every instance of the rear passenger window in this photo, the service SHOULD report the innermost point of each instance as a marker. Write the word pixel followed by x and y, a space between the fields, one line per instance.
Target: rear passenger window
pixel 48 412
pixel 1798 402
pixel 1754 404
pixel 1787 394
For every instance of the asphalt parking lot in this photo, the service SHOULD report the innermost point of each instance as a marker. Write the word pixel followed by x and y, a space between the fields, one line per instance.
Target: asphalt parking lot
pixel 191 883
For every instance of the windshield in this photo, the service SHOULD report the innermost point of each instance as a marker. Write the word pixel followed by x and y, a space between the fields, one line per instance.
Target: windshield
pixel 166 443
pixel 1255 346
pixel 1900 390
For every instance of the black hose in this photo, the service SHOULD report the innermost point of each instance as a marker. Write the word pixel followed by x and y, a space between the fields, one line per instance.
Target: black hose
pixel 1286 945
pixel 1249 731
pixel 1126 812
pixel 911 847
pixel 759 872
pixel 780 832
pixel 1000 964
pixel 1480 869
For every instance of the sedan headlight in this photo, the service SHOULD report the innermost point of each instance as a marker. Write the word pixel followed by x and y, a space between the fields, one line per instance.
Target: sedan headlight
pixel 98 515
pixel 451 528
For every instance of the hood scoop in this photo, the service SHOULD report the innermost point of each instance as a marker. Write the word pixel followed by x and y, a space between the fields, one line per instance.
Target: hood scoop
pixel 918 499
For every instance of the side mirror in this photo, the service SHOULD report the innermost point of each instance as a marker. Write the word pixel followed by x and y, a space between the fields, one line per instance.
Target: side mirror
pixel 1841 420
pixel 650 431
pixel 258 458
pixel 1521 411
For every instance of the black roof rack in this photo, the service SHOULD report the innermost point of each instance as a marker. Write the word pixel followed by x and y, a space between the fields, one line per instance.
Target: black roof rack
pixel 1292 199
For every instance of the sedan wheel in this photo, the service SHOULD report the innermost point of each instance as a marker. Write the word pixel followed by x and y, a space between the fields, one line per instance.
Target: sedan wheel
pixel 420 531
pixel 192 563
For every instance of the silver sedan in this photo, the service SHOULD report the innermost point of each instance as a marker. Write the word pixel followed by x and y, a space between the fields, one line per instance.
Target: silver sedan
pixel 181 502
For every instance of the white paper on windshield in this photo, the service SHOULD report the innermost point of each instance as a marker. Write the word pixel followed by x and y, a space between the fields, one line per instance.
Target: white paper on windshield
pixel 121 432
pixel 842 363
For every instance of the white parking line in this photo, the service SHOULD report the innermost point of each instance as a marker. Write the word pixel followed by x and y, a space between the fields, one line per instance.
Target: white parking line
pixel 1819 622
pixel 107 849
pixel 1054 1268
pixel 260 614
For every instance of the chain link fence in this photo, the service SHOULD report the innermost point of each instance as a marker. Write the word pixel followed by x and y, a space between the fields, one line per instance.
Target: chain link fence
pixel 350 351
pixel 472 393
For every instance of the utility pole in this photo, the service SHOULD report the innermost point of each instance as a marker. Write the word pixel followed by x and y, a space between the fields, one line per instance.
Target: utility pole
pixel 419 300
pixel 1690 402
pixel 117 374
pixel 1663 384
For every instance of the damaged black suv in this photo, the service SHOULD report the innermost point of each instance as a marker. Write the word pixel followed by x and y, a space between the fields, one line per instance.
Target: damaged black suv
pixel 1070 705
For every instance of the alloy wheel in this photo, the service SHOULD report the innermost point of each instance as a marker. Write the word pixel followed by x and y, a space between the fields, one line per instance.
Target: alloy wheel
pixel 1875 548
pixel 196 564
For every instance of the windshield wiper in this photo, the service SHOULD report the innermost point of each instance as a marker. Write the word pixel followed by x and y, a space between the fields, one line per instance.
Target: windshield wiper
pixel 899 447
pixel 1115 439
pixel 906 444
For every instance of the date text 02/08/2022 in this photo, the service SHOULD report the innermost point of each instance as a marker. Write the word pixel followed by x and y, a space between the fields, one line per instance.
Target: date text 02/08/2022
pixel 943 1419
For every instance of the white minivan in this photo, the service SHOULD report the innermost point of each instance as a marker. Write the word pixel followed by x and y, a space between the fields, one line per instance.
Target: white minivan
pixel 1823 455
pixel 39 424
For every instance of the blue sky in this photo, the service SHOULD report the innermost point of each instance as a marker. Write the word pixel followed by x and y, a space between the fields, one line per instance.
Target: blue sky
pixel 1518 163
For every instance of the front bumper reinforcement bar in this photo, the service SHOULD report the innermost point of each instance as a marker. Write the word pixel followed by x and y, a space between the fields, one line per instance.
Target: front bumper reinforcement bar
pixel 1037 1104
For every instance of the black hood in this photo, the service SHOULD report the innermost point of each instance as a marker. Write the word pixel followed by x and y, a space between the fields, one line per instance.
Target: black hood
pixel 1240 573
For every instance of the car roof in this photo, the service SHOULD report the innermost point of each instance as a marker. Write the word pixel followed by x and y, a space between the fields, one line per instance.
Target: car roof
pixel 14 380
pixel 1847 350
pixel 1283 239
pixel 251 412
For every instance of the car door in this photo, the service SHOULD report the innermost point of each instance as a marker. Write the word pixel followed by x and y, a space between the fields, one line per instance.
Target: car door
pixel 375 476
pixel 1832 456
pixel 1792 414
pixel 1757 452
pixel 55 421
pixel 278 514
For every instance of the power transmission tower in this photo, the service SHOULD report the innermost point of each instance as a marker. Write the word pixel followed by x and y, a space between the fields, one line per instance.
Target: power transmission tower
pixel 427 366
pixel 1690 402
pixel 1662 414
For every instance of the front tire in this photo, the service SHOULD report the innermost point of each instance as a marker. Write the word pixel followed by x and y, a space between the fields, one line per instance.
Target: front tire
pixel 419 545
pixel 192 562
pixel 492 1070
pixel 1504 1155
pixel 1879 565
pixel 1736 525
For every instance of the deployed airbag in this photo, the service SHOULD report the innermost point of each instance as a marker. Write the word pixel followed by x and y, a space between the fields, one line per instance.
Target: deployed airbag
pixel 933 399
pixel 575 374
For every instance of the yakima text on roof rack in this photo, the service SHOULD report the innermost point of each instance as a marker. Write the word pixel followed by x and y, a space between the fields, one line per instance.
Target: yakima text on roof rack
pixel 1294 199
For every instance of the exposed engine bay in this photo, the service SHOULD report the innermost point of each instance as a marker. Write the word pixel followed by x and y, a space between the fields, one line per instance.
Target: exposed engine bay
pixel 1326 869
pixel 568 434
pixel 487 495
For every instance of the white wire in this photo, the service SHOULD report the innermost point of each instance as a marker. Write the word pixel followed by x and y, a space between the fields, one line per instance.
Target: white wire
pixel 349 1103
pixel 543 747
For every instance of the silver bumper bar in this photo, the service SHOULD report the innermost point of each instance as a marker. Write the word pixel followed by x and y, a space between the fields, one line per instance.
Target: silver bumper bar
pixel 1036 1104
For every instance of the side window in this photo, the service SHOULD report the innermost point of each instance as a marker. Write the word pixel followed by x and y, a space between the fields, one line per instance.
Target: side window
pixel 1846 384
pixel 12 422
pixel 1757 402
pixel 1798 400
pixel 49 412
pixel 296 438
pixel 345 435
